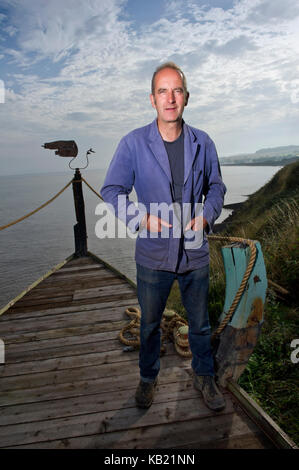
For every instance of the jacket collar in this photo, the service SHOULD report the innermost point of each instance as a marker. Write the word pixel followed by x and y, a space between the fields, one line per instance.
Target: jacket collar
pixel 159 151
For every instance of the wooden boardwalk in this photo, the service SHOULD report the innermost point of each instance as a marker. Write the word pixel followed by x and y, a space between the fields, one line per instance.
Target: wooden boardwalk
pixel 67 383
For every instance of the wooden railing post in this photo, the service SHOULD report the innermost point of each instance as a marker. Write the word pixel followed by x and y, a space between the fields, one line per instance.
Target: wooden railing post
pixel 239 337
pixel 80 232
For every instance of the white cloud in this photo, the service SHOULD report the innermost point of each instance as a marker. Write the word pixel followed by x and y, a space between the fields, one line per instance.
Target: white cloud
pixel 241 65
pixel 53 28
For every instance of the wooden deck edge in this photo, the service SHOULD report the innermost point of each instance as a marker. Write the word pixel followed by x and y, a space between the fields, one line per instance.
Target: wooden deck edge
pixel 280 439
pixel 56 268
pixel 112 268
pixel 35 283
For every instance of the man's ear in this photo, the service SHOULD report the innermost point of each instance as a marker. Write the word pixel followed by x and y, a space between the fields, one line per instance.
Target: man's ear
pixel 153 101
pixel 187 98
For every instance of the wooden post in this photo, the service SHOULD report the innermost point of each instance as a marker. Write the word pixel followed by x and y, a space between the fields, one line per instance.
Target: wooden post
pixel 80 232
pixel 239 337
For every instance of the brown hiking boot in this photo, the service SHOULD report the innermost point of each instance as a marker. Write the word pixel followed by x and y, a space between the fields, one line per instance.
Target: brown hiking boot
pixel 145 393
pixel 212 396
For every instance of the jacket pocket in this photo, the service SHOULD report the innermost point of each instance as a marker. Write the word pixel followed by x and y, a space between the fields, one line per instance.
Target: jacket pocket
pixel 152 248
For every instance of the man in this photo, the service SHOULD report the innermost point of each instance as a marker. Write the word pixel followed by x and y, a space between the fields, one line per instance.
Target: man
pixel 170 163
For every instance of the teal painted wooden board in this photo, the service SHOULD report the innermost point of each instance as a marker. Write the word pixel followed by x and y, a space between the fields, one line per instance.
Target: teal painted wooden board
pixel 250 307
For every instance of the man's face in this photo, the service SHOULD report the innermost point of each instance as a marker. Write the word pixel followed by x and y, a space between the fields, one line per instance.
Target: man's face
pixel 169 99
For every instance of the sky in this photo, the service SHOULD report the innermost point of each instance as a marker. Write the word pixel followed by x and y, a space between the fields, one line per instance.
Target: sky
pixel 82 70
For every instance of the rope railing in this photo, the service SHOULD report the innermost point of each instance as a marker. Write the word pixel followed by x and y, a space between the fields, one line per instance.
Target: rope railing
pixel 250 243
pixel 49 201
pixel 38 209
pixel 91 188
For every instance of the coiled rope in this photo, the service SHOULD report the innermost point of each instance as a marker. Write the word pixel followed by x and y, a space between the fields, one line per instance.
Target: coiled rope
pixel 173 328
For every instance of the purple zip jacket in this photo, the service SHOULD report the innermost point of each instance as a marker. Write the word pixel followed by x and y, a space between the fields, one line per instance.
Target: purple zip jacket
pixel 141 161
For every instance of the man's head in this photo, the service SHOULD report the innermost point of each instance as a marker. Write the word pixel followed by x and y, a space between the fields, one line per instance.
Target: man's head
pixel 170 65
pixel 169 92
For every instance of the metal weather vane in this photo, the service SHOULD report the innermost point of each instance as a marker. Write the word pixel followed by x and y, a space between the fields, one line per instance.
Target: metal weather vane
pixel 67 148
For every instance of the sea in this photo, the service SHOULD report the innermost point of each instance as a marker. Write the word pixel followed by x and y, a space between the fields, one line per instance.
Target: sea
pixel 29 249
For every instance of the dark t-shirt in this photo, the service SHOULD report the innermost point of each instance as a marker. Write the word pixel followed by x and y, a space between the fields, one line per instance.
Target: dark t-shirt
pixel 175 152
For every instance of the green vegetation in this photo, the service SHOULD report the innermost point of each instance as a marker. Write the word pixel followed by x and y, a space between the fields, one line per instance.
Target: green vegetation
pixel 271 216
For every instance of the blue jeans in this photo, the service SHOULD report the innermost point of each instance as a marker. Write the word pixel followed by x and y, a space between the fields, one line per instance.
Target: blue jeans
pixel 153 288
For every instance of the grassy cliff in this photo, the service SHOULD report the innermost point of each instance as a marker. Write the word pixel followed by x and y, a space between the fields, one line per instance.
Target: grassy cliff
pixel 271 216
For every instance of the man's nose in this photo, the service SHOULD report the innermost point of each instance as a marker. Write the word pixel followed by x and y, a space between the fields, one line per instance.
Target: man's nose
pixel 171 96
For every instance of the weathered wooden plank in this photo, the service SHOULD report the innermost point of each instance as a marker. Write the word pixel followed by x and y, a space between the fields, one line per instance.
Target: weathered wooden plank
pixel 90 267
pixel 83 260
pixel 86 385
pixel 107 421
pixel 67 362
pixel 64 293
pixel 62 363
pixel 92 403
pixel 62 289
pixel 85 372
pixel 220 432
pixel 76 294
pixel 81 270
pixel 49 344
pixel 50 291
pixel 60 351
pixel 103 290
pixel 105 297
pixel 63 347
pixel 52 300
pixel 62 320
pixel 66 280
pixel 84 278
pixel 71 275
pixel 64 332
pixel 17 315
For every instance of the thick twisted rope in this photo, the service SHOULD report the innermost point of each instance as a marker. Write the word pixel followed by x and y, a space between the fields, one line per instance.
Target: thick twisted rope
pixel 38 209
pixel 248 271
pixel 170 325
pixel 49 201
pixel 91 188
pixel 132 328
